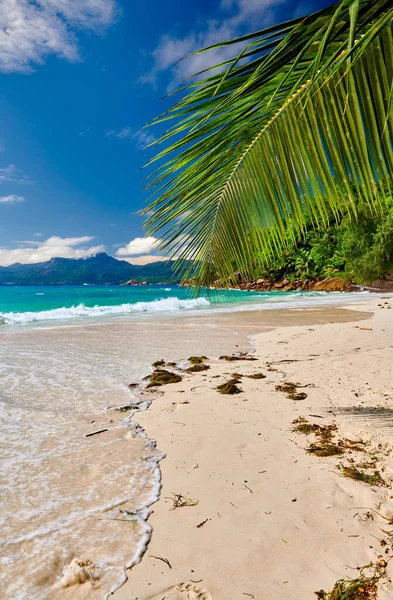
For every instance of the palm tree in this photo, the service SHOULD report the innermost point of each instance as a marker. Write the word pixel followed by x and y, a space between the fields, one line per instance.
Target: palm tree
pixel 294 129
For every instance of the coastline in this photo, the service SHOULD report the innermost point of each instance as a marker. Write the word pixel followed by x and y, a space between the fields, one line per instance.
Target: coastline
pixel 271 520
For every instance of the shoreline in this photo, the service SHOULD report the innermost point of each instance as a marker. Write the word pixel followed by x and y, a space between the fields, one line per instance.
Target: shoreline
pixel 184 421
pixel 174 309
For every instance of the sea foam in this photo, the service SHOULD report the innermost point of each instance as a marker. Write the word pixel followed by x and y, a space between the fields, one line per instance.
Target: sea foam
pixel 160 305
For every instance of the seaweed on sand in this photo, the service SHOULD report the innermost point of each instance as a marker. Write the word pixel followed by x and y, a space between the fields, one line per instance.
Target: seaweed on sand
pixel 179 501
pixel 162 377
pixel 197 364
pixel 256 376
pixel 325 449
pixel 128 407
pixel 197 360
pixel 324 432
pixel 325 446
pixel 290 389
pixel 196 368
pixel 158 363
pixel 229 387
pixel 287 387
pixel 297 396
pixel 362 588
pixel 373 479
pixel 234 357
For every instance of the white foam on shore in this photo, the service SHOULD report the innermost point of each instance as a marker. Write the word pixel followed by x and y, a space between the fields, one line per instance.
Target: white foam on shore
pixel 162 305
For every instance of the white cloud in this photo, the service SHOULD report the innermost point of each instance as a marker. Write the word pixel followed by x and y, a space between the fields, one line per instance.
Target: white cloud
pixel 12 174
pixel 122 134
pixel 139 245
pixel 145 259
pixel 142 137
pixel 242 13
pixel 54 246
pixel 37 234
pixel 11 199
pixel 31 30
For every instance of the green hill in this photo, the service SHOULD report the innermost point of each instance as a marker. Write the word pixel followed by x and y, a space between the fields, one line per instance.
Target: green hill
pixel 98 269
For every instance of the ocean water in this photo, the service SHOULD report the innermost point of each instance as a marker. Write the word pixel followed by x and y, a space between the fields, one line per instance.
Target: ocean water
pixel 76 304
pixel 76 507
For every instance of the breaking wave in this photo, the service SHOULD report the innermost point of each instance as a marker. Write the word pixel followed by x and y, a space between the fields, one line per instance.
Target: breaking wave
pixel 56 314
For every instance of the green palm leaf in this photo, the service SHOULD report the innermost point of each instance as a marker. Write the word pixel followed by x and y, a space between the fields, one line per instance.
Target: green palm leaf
pixel 297 126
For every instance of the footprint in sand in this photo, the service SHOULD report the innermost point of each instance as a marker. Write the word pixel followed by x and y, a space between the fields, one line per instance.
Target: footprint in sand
pixel 183 591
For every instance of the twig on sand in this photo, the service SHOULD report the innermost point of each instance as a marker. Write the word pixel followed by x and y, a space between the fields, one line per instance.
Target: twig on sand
pixel 179 501
pixel 202 523
pixel 96 432
pixel 242 356
pixel 165 560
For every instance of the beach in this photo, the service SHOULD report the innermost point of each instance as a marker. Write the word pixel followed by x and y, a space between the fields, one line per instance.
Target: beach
pixel 257 516
pixel 196 300
pixel 271 521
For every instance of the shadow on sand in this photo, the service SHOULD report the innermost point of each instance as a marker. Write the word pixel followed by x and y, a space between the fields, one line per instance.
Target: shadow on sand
pixel 376 416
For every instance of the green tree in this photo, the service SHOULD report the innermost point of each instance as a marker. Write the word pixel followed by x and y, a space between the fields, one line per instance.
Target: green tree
pixel 296 128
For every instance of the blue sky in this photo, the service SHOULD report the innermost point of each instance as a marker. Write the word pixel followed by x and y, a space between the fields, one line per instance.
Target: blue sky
pixel 78 80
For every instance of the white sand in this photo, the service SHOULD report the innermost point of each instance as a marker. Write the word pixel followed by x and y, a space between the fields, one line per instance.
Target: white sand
pixel 272 522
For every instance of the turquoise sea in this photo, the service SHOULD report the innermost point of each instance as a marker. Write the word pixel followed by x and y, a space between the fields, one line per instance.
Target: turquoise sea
pixel 33 304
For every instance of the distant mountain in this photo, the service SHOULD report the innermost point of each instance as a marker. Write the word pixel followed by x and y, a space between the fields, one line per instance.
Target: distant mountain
pixel 98 269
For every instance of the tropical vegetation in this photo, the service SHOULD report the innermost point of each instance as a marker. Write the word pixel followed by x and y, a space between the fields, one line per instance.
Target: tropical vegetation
pixel 274 146
pixel 360 251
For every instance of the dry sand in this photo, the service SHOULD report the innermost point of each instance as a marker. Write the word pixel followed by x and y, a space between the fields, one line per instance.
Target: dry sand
pixel 272 522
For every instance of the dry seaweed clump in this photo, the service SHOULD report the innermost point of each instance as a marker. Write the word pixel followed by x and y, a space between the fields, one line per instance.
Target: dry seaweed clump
pixel 325 432
pixel 325 445
pixel 229 387
pixel 290 389
pixel 234 357
pixel 162 377
pixel 373 479
pixel 197 368
pixel 158 363
pixel 325 449
pixel 197 360
pixel 197 364
pixel 362 588
pixel 256 376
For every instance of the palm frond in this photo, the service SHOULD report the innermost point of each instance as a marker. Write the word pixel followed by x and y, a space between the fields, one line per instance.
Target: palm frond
pixel 296 126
